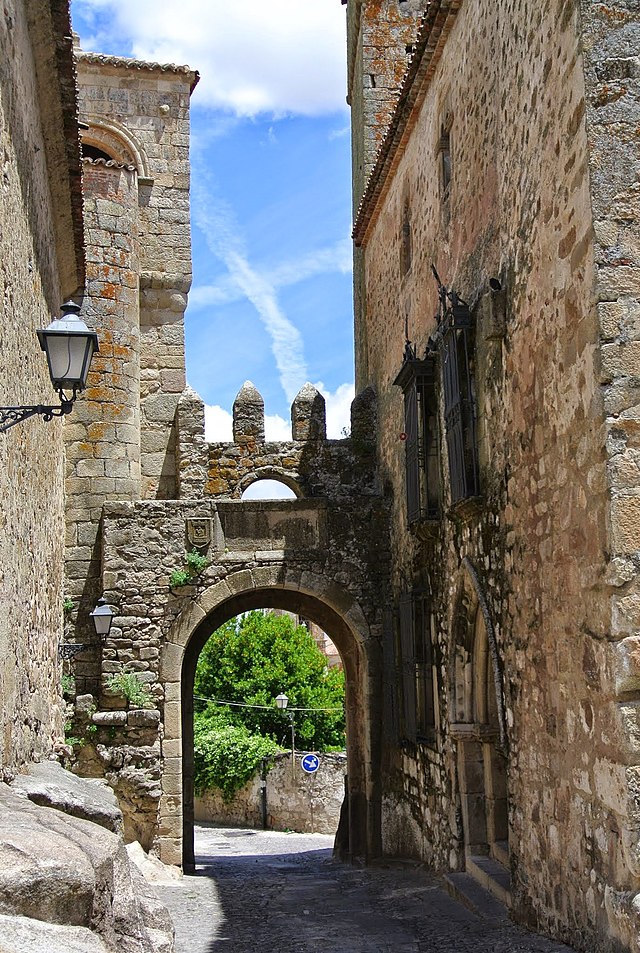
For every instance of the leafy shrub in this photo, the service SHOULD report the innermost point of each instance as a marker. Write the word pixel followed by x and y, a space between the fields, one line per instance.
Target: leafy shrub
pixel 196 562
pixel 179 577
pixel 128 685
pixel 227 756
pixel 195 565
pixel 254 657
pixel 68 685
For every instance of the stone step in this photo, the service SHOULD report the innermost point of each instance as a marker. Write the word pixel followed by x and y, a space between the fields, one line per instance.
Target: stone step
pixel 492 876
pixel 466 889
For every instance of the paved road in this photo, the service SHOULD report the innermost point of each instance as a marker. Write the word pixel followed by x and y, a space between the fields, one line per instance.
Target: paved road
pixel 267 892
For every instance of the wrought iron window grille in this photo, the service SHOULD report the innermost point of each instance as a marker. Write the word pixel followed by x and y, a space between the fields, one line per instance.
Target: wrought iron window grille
pixel 453 342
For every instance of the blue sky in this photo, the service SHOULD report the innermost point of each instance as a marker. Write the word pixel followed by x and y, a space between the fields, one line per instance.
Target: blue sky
pixel 271 299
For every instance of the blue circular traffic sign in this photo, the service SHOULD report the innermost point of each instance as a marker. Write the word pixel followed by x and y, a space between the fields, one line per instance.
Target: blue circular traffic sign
pixel 310 763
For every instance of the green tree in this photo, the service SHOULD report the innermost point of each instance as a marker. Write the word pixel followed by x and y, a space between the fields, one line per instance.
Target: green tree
pixel 255 657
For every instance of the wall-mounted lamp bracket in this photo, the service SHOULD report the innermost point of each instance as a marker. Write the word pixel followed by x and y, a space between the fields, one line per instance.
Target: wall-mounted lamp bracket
pixel 69 650
pixel 10 416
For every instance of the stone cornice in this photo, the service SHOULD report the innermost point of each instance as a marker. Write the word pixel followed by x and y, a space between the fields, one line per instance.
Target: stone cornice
pixel 435 27
pixel 119 62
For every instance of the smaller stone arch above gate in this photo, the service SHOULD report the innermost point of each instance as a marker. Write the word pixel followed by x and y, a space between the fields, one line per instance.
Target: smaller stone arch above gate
pixel 120 146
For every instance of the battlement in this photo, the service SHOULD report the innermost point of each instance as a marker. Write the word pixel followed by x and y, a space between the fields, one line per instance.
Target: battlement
pixel 310 464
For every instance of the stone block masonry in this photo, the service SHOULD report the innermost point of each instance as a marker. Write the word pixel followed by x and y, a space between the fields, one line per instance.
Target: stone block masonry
pixel 305 803
pixel 136 180
pixel 512 156
pixel 41 264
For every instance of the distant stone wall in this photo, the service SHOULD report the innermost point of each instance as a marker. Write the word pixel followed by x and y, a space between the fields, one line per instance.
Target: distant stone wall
pixel 307 803
pixel 35 271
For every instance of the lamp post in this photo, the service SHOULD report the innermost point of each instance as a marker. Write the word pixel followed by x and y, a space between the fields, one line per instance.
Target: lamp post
pixel 69 346
pixel 281 702
pixel 102 617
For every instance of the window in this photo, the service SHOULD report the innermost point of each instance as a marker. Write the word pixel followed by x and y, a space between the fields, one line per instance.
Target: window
pixel 405 240
pixel 418 671
pixel 456 351
pixel 422 439
pixel 445 164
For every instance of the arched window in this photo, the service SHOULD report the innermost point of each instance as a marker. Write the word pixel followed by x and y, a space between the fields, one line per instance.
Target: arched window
pixel 268 490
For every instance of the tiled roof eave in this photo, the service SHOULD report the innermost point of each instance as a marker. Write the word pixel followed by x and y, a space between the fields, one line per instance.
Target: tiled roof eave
pixel 434 30
pixel 102 59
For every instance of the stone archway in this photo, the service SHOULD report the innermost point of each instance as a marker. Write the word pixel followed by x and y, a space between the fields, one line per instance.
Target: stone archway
pixel 478 727
pixel 331 607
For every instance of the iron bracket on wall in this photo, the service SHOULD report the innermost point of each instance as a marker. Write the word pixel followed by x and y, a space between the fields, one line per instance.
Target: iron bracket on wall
pixel 10 416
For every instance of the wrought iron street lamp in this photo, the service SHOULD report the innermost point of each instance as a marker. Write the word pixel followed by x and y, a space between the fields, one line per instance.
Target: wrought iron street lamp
pixel 69 346
pixel 281 702
pixel 102 617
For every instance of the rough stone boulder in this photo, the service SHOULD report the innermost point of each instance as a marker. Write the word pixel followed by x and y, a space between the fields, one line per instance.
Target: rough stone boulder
pixel 56 869
pixel 22 935
pixel 47 783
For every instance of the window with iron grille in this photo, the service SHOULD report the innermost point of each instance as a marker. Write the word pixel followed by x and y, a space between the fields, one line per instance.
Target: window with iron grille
pixel 418 671
pixel 453 341
pixel 459 403
pixel 421 438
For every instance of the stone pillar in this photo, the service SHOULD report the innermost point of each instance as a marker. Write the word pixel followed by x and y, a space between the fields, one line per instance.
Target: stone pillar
pixel 309 415
pixel 248 415
pixel 191 449
pixel 364 420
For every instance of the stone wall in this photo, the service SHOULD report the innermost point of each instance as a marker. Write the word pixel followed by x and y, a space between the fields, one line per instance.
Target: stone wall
pixel 138 116
pixel 321 555
pixel 39 159
pixel 307 803
pixel 507 82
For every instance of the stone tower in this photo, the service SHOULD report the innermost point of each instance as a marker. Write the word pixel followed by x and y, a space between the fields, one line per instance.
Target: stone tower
pixel 120 441
pixel 380 41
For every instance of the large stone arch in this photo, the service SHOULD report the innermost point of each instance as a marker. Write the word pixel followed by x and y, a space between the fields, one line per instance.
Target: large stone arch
pixel 335 610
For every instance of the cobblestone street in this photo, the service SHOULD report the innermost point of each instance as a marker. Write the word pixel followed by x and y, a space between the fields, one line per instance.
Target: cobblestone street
pixel 263 891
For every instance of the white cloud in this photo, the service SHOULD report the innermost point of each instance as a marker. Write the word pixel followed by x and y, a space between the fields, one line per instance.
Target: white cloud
pixel 216 222
pixel 338 409
pixel 268 490
pixel 276 427
pixel 273 56
pixel 218 425
pixel 218 422
pixel 338 258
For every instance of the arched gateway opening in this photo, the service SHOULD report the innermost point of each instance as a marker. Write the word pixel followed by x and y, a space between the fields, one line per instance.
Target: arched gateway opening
pixel 335 611
pixel 479 729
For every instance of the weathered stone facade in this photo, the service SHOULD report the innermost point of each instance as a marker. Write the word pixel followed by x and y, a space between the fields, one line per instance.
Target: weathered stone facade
pixel 488 638
pixel 511 164
pixel 41 264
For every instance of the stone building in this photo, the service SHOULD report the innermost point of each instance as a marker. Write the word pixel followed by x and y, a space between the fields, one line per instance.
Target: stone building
pixel 41 265
pixel 472 547
pixel 495 141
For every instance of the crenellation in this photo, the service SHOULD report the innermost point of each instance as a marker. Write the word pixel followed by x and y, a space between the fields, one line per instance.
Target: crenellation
pixel 308 414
